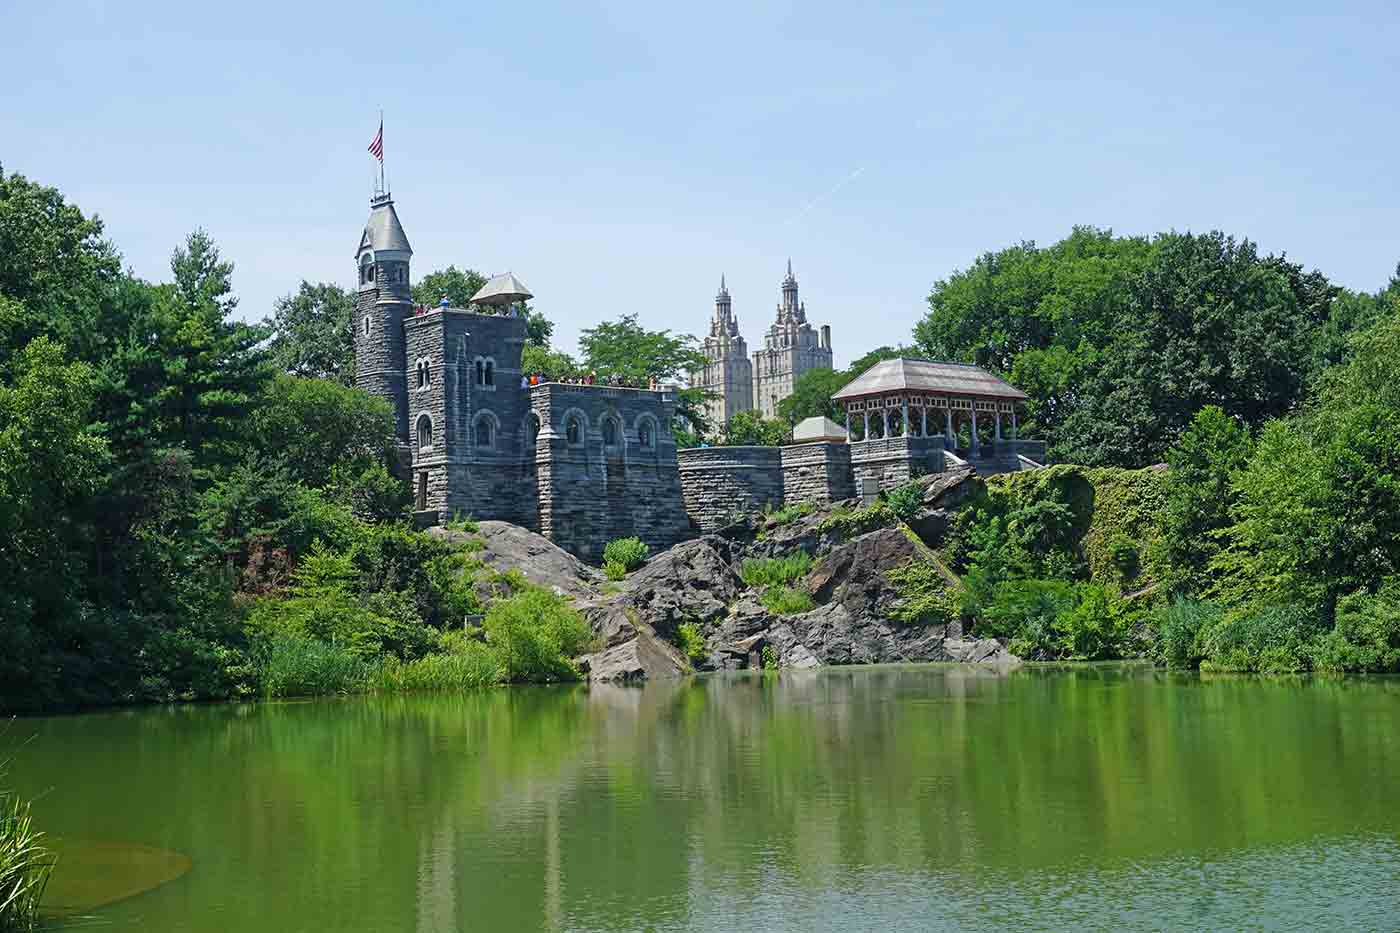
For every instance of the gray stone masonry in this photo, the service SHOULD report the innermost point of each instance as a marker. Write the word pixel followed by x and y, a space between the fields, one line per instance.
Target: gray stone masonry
pixel 718 482
pixel 896 460
pixel 605 466
pixel 467 415
pixel 819 472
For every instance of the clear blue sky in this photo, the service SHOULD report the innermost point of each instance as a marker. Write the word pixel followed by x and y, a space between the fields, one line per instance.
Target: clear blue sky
pixel 619 157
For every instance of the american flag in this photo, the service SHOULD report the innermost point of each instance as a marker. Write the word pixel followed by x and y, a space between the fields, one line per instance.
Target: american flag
pixel 376 145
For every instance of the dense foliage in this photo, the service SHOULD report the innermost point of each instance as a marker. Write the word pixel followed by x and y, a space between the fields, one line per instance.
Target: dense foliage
pixel 1119 341
pixel 1272 553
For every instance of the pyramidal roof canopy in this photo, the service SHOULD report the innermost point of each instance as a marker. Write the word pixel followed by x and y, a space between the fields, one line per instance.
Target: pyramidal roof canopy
pixel 818 428
pixel 908 374
pixel 383 232
pixel 502 290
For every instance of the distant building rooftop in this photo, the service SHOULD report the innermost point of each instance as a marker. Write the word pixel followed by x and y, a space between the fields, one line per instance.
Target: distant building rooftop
pixel 908 374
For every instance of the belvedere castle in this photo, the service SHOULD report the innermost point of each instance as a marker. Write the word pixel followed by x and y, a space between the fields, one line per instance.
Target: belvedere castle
pixel 584 464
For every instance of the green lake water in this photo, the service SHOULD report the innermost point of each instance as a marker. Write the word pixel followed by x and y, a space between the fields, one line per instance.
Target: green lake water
pixel 886 798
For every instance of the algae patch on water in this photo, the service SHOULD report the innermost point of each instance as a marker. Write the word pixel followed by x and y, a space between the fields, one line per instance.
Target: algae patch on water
pixel 91 874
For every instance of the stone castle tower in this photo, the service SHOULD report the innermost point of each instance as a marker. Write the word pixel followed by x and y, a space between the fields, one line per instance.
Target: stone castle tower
pixel 382 303
pixel 790 348
pixel 727 374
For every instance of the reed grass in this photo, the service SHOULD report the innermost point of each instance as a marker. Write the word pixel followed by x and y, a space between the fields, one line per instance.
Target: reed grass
pixel 25 865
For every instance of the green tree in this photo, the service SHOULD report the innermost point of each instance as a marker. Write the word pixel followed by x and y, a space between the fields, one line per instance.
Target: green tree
pixel 811 396
pixel 51 465
pixel 315 427
pixel 750 429
pixel 877 355
pixel 1207 321
pixel 553 364
pixel 626 349
pixel 313 333
pixel 1200 493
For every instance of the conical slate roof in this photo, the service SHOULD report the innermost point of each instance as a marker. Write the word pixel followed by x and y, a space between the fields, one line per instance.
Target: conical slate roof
pixel 383 231
pixel 502 290
pixel 915 375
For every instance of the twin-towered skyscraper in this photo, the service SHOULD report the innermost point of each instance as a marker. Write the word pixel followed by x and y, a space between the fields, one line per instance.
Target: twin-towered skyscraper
pixel 791 347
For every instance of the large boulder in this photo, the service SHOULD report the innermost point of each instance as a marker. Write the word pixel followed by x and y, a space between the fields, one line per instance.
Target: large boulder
pixel 692 582
pixel 944 493
pixel 510 547
pixel 853 574
pixel 641 657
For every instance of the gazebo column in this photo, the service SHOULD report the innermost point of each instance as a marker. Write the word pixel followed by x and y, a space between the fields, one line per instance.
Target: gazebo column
pixel 976 444
pixel 948 413
pixel 885 423
pixel 866 435
pixel 998 424
pixel 848 425
pixel 904 418
pixel 923 421
pixel 1013 423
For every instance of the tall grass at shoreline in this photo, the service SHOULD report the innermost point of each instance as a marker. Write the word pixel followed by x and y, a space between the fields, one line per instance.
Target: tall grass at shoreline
pixel 25 864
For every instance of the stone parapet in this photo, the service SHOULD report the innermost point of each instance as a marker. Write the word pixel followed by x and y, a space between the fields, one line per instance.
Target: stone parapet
pixel 719 482
pixel 819 472
pixel 896 460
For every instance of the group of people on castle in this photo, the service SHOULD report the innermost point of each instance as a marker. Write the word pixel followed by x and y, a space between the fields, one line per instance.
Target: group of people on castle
pixel 585 379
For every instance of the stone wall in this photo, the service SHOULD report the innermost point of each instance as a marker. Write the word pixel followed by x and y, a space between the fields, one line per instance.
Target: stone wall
pixel 717 482
pixel 1004 456
pixel 466 470
pixel 896 460
pixel 614 475
pixel 819 472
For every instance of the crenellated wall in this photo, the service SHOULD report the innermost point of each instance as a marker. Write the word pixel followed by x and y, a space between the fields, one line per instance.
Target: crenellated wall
pixel 614 475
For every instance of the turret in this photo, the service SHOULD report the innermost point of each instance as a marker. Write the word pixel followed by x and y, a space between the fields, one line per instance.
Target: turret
pixel 790 305
pixel 382 302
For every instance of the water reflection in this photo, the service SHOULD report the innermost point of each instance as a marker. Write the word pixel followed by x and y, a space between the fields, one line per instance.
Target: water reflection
pixel 968 796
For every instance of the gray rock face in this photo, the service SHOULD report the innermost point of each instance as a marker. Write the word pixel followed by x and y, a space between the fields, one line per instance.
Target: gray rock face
pixel 692 582
pixel 510 547
pixel 641 657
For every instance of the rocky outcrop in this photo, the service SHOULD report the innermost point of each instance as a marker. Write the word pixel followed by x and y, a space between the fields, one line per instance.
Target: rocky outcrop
pixel 944 493
pixel 692 582
pixel 640 657
pixel 510 547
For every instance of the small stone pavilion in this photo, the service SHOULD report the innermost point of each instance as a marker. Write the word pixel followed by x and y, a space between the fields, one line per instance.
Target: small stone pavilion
pixel 904 417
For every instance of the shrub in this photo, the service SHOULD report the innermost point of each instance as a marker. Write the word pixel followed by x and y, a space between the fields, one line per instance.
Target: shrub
pixel 786 601
pixel 789 513
pixel 775 571
pixel 925 597
pixel 631 553
pixel 293 665
pixel 770 658
pixel 614 571
pixel 1053 619
pixel 1178 626
pixel 692 643
pixel 1367 634
pixel 1266 640
pixel 905 501
pixel 848 523
pixel 535 635
pixel 462 665
pixel 25 864
pixel 461 522
pixel 1123 551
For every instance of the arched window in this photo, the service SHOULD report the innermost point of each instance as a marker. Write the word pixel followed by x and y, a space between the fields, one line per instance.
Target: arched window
pixel 490 373
pixel 609 432
pixel 366 269
pixel 646 434
pixel 573 430
pixel 367 325
pixel 425 432
pixel 485 431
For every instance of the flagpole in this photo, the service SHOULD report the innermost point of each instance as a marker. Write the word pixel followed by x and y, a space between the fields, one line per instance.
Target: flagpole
pixel 383 185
